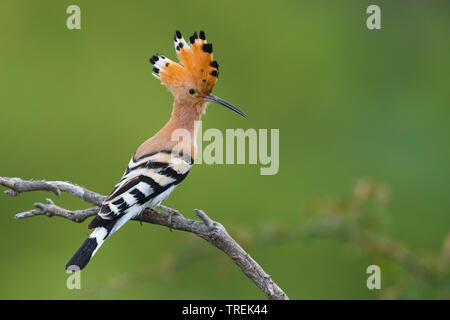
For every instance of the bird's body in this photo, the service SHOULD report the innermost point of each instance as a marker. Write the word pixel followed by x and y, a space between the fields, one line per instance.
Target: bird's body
pixel 161 162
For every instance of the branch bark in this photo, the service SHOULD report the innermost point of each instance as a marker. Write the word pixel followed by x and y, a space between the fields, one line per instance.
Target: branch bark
pixel 207 229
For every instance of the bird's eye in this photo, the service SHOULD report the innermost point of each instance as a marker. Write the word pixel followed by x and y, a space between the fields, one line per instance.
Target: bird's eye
pixel 191 91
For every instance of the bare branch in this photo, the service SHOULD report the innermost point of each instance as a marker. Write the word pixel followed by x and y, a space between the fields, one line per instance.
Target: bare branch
pixel 207 229
pixel 51 209
pixel 18 186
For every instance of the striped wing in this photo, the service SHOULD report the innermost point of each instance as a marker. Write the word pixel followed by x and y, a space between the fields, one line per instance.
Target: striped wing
pixel 147 180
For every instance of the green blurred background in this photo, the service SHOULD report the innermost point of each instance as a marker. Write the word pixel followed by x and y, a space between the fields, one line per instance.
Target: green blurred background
pixel 349 103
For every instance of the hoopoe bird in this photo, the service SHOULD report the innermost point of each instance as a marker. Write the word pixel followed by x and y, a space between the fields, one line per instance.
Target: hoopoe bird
pixel 160 163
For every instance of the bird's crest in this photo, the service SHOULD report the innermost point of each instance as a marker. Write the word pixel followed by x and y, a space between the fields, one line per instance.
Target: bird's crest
pixel 196 67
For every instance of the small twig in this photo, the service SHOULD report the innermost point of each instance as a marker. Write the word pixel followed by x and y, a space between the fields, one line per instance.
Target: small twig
pixel 209 223
pixel 51 209
pixel 18 186
pixel 207 229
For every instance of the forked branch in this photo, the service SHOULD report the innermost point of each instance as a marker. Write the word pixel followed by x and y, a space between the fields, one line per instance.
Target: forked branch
pixel 207 229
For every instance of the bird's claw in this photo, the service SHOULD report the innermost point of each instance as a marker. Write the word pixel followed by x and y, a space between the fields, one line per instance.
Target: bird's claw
pixel 171 212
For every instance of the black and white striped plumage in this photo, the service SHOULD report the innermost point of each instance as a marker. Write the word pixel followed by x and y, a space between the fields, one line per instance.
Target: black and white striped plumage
pixel 147 181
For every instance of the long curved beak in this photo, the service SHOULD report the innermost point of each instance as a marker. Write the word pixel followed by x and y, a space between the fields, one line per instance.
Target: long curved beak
pixel 213 98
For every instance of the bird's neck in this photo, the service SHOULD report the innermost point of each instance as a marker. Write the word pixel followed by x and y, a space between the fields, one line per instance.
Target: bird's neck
pixel 182 127
pixel 184 115
pixel 179 133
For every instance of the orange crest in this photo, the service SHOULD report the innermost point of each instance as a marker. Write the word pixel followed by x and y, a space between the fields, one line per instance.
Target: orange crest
pixel 197 68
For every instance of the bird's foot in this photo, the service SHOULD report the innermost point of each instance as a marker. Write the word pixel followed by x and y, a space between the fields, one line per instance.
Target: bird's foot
pixel 141 217
pixel 171 212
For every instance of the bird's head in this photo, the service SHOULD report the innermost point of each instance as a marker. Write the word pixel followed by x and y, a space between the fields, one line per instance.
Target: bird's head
pixel 192 81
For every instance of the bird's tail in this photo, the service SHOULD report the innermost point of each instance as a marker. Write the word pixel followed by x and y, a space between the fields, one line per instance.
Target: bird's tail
pixel 87 250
